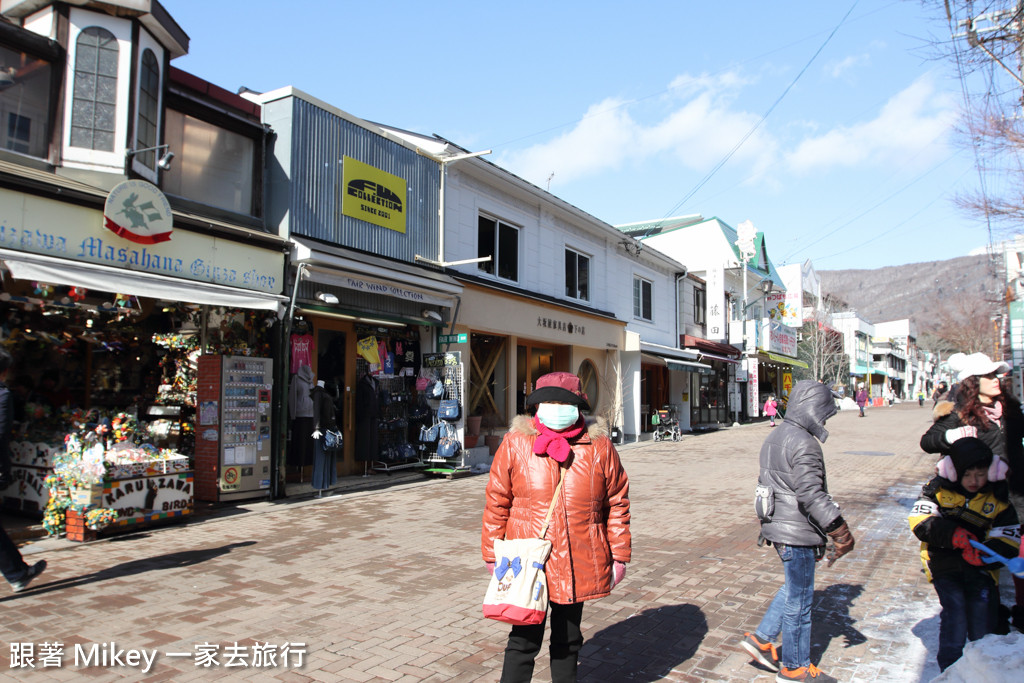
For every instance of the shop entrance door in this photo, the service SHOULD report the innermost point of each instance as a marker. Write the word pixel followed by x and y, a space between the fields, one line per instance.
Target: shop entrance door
pixel 335 363
pixel 533 361
pixel 488 377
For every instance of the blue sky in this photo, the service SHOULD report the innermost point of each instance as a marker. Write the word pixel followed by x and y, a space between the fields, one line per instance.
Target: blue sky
pixel 635 111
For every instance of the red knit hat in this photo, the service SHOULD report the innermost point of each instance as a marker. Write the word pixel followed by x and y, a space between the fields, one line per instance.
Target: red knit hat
pixel 563 387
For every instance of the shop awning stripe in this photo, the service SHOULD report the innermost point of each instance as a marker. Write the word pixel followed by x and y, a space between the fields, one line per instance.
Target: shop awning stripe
pixel 786 360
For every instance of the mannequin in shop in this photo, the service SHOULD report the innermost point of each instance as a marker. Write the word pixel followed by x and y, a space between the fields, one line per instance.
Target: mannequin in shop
pixel 325 460
pixel 367 419
pixel 300 410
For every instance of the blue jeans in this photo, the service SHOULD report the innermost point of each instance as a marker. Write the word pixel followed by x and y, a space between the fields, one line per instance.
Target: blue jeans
pixel 790 611
pixel 968 612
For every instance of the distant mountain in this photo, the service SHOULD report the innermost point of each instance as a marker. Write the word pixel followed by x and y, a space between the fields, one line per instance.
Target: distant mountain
pixel 918 291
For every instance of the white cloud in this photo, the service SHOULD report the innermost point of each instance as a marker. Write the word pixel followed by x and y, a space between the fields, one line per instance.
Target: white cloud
pixel 914 122
pixel 837 69
pixel 699 133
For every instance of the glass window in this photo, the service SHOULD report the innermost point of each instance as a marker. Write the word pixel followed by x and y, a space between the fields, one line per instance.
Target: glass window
pixel 149 108
pixel 699 306
pixel 500 241
pixel 642 293
pixel 577 275
pixel 94 101
pixel 24 102
pixel 213 165
pixel 588 378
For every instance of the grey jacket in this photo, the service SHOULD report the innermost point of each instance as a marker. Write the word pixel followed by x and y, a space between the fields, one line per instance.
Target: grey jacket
pixel 299 402
pixel 793 466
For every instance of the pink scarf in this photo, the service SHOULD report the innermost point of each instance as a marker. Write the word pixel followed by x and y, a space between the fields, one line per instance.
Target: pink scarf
pixel 556 444
pixel 994 412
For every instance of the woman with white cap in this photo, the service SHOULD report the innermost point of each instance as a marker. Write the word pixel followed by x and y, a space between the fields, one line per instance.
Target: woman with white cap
pixel 985 409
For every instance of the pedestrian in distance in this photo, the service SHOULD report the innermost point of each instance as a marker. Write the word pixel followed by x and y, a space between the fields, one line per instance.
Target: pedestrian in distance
pixel 771 408
pixel 799 518
pixel 951 513
pixel 592 510
pixel 12 565
pixel 940 393
pixel 920 399
pixel 861 399
pixel 984 408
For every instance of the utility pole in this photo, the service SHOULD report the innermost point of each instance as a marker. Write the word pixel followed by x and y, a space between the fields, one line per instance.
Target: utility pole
pixel 746 233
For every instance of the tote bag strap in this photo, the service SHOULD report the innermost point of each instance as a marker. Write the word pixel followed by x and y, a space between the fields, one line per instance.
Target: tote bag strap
pixel 554 499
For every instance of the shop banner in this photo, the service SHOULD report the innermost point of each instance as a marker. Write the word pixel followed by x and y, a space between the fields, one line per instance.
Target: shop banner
pixel 780 339
pixel 785 307
pixel 715 302
pixel 753 395
pixel 373 195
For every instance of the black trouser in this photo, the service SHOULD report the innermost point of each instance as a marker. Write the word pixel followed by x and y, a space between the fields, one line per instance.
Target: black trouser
pixel 11 565
pixel 566 640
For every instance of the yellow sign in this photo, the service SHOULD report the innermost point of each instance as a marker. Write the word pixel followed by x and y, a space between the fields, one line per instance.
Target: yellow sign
pixel 787 383
pixel 373 195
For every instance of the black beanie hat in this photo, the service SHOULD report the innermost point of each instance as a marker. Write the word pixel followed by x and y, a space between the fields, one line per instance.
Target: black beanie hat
pixel 969 452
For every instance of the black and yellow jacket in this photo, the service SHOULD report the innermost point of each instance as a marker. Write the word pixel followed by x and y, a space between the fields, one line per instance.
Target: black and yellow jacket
pixel 944 506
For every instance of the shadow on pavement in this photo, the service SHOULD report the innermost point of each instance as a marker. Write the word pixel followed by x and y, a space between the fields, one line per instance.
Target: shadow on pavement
pixel 185 558
pixel 644 647
pixel 927 631
pixel 831 618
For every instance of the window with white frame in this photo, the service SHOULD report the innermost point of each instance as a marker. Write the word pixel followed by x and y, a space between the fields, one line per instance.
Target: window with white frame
pixel 643 295
pixel 577 275
pixel 700 304
pixel 149 109
pixel 500 241
pixel 94 98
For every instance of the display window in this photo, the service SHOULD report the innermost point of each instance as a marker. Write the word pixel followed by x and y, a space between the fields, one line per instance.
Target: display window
pixel 104 387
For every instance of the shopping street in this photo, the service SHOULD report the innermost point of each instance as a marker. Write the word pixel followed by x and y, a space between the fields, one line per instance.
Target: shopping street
pixel 385 584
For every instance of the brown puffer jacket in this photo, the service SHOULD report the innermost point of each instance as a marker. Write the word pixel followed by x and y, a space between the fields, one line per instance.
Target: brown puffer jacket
pixel 593 507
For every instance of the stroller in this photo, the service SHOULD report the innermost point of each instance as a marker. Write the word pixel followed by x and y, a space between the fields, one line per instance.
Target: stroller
pixel 666 426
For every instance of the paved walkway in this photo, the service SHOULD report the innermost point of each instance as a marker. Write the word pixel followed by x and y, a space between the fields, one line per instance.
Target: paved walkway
pixel 385 585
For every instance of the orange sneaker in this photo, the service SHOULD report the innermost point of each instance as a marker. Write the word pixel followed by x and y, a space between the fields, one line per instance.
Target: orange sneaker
pixel 805 673
pixel 763 653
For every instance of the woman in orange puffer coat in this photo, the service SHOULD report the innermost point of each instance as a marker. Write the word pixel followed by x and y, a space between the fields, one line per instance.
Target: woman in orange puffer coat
pixel 589 529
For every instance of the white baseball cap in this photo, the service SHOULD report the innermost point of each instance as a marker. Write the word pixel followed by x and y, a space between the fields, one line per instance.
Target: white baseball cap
pixel 979 364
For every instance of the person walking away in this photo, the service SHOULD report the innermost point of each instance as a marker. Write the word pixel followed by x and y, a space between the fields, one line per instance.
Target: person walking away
pixel 797 517
pixel 592 511
pixel 984 407
pixel 771 409
pixel 12 565
pixel 861 399
pixel 949 514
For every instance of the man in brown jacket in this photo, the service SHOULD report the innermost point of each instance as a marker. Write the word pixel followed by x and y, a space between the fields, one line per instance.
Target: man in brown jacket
pixel 592 509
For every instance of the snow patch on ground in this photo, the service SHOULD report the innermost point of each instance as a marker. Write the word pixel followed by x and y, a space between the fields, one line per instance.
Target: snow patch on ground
pixel 993 659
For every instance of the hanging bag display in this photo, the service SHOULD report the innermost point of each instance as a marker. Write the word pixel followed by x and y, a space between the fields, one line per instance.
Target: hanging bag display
pixel 518 590
pixel 332 440
pixel 449 409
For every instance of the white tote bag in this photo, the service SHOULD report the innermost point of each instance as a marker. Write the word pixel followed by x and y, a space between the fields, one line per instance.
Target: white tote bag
pixel 518 590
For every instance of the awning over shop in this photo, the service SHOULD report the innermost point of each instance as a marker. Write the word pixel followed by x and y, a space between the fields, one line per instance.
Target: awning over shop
pixel 786 360
pixel 651 359
pixel 28 266
pixel 668 351
pixel 714 356
pixel 688 366
pixel 374 275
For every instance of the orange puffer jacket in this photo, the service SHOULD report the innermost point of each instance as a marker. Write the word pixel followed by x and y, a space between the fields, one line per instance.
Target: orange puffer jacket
pixel 590 523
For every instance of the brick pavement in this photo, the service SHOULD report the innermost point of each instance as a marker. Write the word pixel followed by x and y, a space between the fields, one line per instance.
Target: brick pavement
pixel 342 576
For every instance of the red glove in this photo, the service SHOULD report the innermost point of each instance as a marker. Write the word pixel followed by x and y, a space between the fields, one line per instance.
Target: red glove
pixel 962 541
pixel 490 567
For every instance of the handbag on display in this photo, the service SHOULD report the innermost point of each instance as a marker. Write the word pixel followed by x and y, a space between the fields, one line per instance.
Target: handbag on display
pixel 518 589
pixel 332 440
pixel 436 389
pixel 422 383
pixel 448 447
pixel 429 434
pixel 449 409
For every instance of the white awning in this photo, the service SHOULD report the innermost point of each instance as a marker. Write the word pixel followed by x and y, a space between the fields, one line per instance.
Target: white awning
pixel 373 275
pixel 687 366
pixel 668 351
pixel 27 266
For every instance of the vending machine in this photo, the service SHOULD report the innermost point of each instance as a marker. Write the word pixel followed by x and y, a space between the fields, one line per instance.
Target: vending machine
pixel 233 427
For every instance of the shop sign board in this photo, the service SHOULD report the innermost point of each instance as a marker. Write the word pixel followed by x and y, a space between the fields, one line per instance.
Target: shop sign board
pixel 373 195
pixel 753 396
pixel 139 212
pixel 48 227
pixel 715 303
pixel 787 384
pixel 785 307
pixel 452 338
pixel 147 495
pixel 780 339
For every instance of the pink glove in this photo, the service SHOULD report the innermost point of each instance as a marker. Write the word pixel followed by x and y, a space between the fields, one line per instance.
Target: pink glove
pixel 490 567
pixel 618 571
pixel 998 469
pixel 960 433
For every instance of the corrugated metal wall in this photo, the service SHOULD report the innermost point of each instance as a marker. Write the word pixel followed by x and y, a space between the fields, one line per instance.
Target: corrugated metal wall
pixel 320 140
